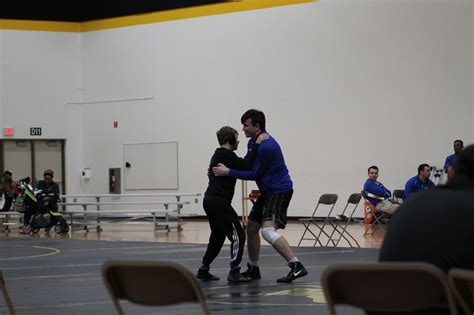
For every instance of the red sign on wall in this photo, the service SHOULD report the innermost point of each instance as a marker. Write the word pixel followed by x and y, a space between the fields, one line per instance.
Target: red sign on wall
pixel 8 131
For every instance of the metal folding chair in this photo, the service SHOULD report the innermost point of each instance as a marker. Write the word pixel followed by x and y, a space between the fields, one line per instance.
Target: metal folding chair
pixel 6 296
pixel 398 195
pixel 151 283
pixel 369 207
pixel 312 222
pixel 388 287
pixel 340 225
pixel 462 284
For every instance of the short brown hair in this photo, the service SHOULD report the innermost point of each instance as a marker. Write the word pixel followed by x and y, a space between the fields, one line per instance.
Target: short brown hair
pixel 227 135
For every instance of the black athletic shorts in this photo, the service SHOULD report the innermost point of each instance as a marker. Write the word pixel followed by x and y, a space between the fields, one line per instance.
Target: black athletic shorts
pixel 273 207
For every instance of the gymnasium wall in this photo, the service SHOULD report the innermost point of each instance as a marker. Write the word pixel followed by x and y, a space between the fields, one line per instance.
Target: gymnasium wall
pixel 344 84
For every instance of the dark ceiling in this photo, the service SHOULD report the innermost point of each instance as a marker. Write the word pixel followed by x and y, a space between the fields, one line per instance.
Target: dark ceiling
pixel 87 10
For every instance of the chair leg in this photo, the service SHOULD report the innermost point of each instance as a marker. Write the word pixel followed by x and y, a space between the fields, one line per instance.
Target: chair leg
pixel 6 296
pixel 304 233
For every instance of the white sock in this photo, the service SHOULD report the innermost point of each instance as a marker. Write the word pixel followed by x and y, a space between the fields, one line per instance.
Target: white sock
pixel 253 263
pixel 294 259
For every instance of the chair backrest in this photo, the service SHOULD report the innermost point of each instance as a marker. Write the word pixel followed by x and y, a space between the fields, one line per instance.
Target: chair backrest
pixel 364 194
pixel 354 198
pixel 6 296
pixel 151 283
pixel 462 284
pixel 398 193
pixel 390 287
pixel 328 199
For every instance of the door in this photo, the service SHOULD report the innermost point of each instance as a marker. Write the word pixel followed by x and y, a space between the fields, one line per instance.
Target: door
pixel 48 155
pixel 30 158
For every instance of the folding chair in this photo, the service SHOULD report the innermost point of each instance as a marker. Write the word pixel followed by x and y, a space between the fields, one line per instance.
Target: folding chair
pixel 462 284
pixel 308 223
pixel 387 287
pixel 340 226
pixel 370 208
pixel 6 296
pixel 398 195
pixel 151 283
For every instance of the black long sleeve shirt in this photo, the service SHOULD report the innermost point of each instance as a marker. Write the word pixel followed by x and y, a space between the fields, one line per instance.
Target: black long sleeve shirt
pixel 51 192
pixel 224 186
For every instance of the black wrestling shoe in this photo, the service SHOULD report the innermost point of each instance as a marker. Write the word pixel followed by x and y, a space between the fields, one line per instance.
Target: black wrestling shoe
pixel 297 271
pixel 235 277
pixel 204 275
pixel 253 272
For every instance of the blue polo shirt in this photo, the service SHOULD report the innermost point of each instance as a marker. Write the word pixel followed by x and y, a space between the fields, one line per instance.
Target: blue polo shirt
pixel 415 184
pixel 376 188
pixel 449 161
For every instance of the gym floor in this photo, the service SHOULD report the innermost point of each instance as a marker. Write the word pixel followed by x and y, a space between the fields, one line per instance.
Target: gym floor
pixel 53 274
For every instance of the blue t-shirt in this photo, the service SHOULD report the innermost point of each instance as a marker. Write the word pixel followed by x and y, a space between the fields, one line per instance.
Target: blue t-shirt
pixel 449 161
pixel 415 184
pixel 376 188
pixel 269 170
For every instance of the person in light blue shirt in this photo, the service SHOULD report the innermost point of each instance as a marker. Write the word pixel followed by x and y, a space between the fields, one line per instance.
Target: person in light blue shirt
pixel 377 193
pixel 419 182
pixel 450 159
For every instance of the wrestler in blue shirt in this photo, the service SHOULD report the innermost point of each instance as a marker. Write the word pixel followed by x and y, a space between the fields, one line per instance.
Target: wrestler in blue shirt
pixel 269 170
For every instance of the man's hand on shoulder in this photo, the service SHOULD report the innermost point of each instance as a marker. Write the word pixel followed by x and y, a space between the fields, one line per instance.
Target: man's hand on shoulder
pixel 262 137
pixel 220 170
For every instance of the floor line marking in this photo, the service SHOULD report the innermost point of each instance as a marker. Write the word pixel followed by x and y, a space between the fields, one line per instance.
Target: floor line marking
pixel 54 252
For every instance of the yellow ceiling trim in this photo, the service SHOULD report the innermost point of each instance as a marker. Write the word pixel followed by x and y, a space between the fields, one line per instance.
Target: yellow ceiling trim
pixel 147 18
pixel 186 13
pixel 48 26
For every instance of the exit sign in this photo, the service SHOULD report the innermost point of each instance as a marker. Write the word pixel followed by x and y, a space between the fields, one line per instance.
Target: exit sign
pixel 35 131
pixel 8 131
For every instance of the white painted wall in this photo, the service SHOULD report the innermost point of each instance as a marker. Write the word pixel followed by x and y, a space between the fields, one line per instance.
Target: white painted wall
pixel 344 84
pixel 41 72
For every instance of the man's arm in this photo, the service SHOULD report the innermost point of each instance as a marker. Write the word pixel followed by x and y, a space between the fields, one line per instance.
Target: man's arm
pixel 259 167
pixel 246 163
pixel 446 164
pixel 409 186
pixel 375 189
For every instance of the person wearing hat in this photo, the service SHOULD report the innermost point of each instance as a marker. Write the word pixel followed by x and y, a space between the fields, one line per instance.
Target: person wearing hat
pixel 7 190
pixel 48 187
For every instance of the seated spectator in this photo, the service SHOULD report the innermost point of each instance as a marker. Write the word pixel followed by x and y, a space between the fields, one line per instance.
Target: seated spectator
pixel 378 194
pixel 435 226
pixel 419 182
pixel 451 159
pixel 8 191
pixel 49 188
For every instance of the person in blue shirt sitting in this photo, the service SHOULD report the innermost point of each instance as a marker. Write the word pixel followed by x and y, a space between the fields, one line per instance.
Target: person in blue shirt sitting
pixel 378 194
pixel 450 159
pixel 419 182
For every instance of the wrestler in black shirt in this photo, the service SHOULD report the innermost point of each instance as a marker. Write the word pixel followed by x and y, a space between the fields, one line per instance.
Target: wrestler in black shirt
pixel 223 220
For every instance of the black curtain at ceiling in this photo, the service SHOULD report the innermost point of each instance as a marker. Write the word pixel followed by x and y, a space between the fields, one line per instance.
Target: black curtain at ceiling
pixel 88 10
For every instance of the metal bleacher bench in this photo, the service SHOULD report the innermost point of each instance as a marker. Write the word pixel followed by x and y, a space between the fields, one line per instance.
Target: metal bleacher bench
pixel 5 219
pixel 167 218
